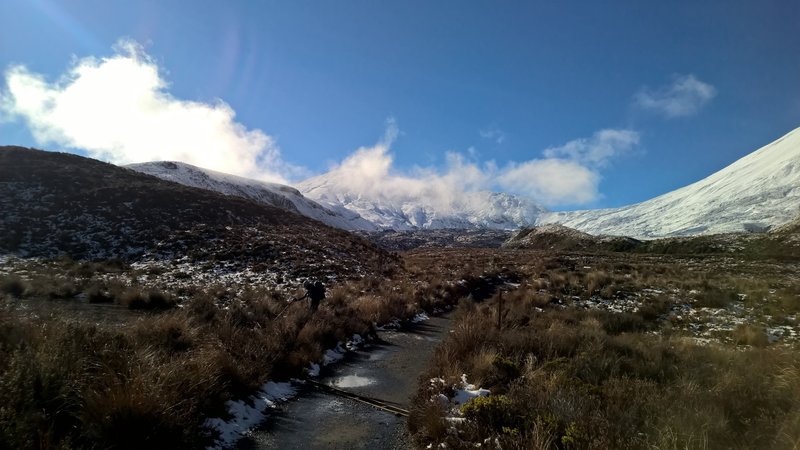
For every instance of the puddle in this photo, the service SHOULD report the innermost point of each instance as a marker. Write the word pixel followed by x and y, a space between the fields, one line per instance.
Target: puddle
pixel 353 381
pixel 377 355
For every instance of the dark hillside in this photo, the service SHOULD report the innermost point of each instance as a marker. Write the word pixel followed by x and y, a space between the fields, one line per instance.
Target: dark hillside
pixel 556 237
pixel 62 204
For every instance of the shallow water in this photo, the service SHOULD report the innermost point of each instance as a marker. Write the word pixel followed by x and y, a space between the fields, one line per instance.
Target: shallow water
pixel 353 381
pixel 386 370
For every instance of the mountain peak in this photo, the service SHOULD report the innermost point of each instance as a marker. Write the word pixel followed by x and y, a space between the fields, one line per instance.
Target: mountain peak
pixel 757 191
pixel 424 207
pixel 273 194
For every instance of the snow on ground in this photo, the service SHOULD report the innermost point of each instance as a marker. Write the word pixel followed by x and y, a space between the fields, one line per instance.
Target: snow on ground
pixel 462 392
pixel 333 355
pixel 756 192
pixel 702 324
pixel 246 414
pixel 468 391
pixel 421 317
pixel 423 210
pixel 313 370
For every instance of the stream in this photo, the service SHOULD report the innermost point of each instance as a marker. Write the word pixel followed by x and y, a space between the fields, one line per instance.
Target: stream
pixel 387 369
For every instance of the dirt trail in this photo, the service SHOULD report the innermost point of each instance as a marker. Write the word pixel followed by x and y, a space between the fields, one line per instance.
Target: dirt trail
pixel 387 369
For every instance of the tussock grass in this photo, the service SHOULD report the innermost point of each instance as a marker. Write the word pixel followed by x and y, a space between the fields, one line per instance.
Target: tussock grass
pixel 569 377
pixel 571 380
pixel 13 286
pixel 151 380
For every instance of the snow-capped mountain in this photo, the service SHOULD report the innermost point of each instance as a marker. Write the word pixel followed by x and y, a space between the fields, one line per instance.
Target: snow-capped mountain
pixel 759 190
pixel 469 210
pixel 755 193
pixel 274 194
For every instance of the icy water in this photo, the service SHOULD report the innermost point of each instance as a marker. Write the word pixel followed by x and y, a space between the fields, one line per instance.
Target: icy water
pixel 387 370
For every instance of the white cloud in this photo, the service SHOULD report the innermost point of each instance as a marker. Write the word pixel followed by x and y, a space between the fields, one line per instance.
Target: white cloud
pixel 684 97
pixel 552 181
pixel 369 173
pixel 118 109
pixel 598 149
pixel 567 175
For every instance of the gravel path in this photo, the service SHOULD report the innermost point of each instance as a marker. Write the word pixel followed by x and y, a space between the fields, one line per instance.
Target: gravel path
pixel 387 370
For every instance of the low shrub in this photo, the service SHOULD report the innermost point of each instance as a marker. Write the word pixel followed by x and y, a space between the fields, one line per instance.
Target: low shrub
pixel 151 300
pixel 494 411
pixel 13 286
pixel 746 334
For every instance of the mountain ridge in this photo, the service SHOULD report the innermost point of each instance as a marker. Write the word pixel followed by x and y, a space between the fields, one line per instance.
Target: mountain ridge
pixel 469 210
pixel 752 194
pixel 65 205
pixel 758 191
pixel 273 194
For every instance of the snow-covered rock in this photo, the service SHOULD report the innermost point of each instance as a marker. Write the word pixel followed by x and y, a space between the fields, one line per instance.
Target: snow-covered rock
pixel 273 194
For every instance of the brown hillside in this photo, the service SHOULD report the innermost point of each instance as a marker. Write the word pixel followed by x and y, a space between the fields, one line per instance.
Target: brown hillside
pixel 61 204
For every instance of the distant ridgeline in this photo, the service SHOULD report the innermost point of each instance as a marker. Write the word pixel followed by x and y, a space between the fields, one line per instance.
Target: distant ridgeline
pixel 59 204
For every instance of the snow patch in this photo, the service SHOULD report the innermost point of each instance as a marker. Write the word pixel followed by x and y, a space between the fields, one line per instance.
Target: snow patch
pixel 246 414
pixel 468 391
pixel 313 370
pixel 333 355
pixel 421 317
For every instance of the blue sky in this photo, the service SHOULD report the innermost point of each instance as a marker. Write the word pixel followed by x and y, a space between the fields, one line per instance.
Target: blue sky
pixel 698 84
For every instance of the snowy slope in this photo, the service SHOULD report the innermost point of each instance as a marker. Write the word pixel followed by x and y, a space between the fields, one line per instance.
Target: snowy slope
pixel 760 190
pixel 756 192
pixel 472 210
pixel 273 194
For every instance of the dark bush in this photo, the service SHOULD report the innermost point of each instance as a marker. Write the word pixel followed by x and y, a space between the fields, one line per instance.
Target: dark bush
pixel 13 286
pixel 152 300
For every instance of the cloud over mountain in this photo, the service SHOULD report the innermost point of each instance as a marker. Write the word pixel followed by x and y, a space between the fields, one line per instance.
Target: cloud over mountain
pixel 119 109
pixel 567 174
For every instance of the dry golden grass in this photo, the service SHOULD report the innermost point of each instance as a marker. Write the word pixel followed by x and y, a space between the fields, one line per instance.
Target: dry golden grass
pixel 577 378
pixel 150 380
pixel 574 378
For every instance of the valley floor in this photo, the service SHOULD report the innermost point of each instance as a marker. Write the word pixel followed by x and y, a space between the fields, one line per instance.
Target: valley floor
pixel 574 351
pixel 617 351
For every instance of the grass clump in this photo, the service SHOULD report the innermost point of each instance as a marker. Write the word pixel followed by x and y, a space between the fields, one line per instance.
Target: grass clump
pixel 13 286
pixel 564 375
pixel 151 380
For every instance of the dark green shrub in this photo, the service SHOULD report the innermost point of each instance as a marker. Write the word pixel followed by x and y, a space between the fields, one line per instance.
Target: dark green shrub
pixel 505 369
pixel 494 411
